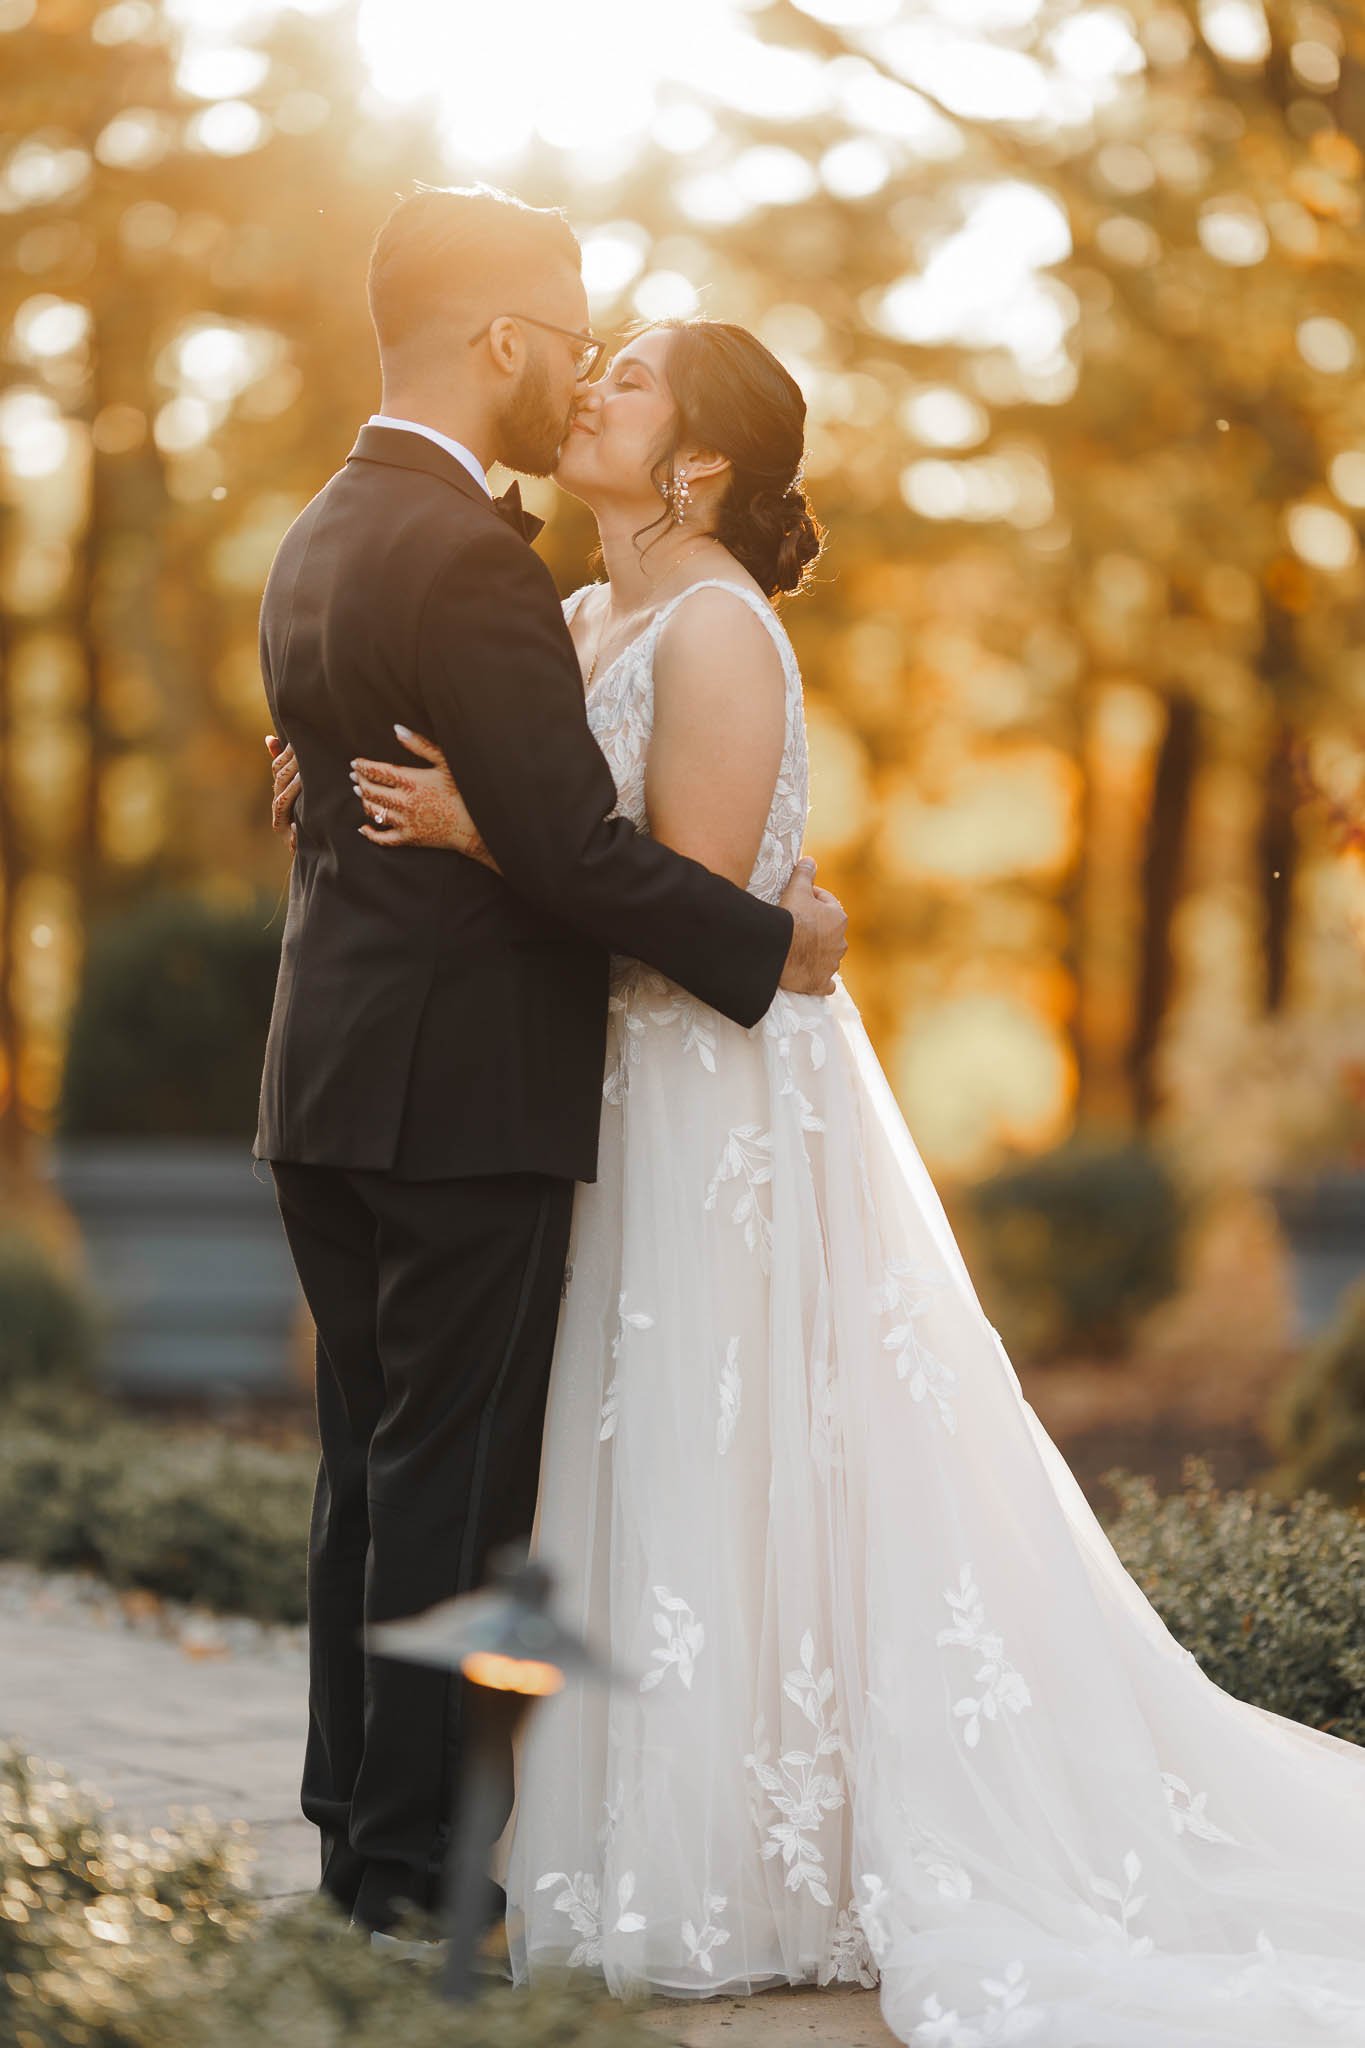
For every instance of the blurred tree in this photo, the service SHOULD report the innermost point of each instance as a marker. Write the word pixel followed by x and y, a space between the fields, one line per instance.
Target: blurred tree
pixel 188 356
pixel 1085 420
pixel 1204 437
pixel 11 1123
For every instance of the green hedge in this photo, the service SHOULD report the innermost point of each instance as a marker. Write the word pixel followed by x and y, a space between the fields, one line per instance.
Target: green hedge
pixel 193 1517
pixel 1270 1597
pixel 170 1022
pixel 111 1942
pixel 1317 1424
pixel 87 1923
pixel 1076 1246
pixel 47 1322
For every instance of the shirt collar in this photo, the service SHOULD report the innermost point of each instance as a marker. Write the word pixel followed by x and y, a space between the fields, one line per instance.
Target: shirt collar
pixel 455 448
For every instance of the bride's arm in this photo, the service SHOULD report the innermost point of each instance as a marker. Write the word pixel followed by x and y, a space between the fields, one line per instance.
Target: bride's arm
pixel 419 806
pixel 286 784
pixel 714 756
pixel 720 709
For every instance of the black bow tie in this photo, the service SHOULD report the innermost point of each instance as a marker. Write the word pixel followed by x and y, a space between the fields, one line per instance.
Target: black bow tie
pixel 510 508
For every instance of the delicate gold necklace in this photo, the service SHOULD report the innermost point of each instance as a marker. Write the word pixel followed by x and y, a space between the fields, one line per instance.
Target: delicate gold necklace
pixel 602 629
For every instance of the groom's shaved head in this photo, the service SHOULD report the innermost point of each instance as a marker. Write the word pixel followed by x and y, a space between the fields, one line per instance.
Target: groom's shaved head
pixel 450 256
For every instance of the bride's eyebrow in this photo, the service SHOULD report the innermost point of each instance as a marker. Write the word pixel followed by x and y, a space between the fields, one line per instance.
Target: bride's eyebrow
pixel 632 363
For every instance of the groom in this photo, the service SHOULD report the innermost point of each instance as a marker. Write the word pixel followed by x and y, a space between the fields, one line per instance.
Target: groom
pixel 433 1076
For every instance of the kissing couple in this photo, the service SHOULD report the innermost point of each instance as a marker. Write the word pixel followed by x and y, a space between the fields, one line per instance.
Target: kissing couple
pixel 613 1233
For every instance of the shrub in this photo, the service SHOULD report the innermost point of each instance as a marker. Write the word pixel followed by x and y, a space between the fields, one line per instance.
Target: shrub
pixel 51 1475
pixel 47 1326
pixel 1076 1246
pixel 86 1918
pixel 1269 1597
pixel 304 1977
pixel 170 1022
pixel 210 1520
pixel 193 1517
pixel 111 1942
pixel 1317 1424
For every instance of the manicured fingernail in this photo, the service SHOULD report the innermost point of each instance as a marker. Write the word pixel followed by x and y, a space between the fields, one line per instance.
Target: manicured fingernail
pixel 402 732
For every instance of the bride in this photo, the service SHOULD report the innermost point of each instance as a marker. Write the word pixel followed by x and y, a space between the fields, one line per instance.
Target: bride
pixel 894 1711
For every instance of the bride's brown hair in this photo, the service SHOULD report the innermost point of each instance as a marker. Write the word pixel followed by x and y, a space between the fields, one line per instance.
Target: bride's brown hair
pixel 733 395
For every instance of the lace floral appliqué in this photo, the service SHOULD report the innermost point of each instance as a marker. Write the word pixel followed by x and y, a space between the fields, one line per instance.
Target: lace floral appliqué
pixel 747 1158
pixel 611 1399
pixel 581 1902
pixel 683 1637
pixel 1003 1690
pixel 700 1941
pixel 800 1791
pixel 731 1392
pixel 906 1293
pixel 1187 1812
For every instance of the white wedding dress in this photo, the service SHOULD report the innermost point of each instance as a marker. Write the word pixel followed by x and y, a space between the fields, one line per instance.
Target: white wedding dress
pixel 892 1709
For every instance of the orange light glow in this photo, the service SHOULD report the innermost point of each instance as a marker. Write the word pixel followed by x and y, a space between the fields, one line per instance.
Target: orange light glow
pixel 512 1674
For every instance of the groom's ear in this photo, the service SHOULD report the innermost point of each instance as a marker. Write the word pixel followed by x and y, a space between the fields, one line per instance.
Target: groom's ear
pixel 505 344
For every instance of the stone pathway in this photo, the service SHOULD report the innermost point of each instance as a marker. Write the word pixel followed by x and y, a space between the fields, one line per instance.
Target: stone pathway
pixel 839 2017
pixel 161 1712
pixel 152 1726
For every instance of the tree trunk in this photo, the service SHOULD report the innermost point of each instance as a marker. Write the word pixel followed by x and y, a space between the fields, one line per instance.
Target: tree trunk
pixel 1276 859
pixel 13 1140
pixel 1162 877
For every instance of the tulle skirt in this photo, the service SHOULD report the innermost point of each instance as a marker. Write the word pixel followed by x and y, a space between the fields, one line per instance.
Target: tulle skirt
pixel 890 1711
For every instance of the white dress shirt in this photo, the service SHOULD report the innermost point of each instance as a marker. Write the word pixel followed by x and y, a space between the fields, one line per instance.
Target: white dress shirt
pixel 455 448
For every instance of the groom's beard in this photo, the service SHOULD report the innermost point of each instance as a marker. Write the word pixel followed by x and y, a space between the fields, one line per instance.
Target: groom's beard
pixel 531 429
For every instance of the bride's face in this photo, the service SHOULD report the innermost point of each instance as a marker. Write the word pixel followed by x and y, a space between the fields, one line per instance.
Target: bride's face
pixel 624 420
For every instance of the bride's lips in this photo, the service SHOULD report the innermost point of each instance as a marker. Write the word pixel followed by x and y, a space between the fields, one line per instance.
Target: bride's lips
pixel 577 427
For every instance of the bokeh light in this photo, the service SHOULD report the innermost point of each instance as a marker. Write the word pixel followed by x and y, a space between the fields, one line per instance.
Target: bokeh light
pixel 993 273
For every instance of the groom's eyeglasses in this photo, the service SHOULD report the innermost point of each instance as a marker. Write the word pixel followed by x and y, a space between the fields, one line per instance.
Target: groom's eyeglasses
pixel 590 352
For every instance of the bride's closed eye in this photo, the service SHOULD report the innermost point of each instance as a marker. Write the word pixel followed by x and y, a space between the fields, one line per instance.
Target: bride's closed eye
pixel 617 374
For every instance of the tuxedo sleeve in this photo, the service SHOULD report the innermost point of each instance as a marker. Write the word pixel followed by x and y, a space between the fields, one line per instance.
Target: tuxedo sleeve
pixel 503 696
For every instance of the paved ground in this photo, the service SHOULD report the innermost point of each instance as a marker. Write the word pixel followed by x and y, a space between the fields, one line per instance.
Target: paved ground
pixel 153 1727
pixel 210 1718
pixel 836 2018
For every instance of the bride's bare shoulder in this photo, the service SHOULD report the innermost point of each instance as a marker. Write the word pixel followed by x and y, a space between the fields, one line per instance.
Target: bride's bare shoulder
pixel 711 617
pixel 713 646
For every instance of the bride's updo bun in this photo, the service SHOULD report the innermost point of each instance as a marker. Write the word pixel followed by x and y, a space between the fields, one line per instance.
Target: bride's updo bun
pixel 776 536
pixel 733 395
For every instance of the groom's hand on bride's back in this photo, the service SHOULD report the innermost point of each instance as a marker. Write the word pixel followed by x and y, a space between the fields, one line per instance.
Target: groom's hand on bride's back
pixel 819 934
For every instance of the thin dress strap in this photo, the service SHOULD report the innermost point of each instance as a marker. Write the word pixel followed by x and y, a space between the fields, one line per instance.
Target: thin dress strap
pixel 786 653
pixel 575 598
pixel 755 602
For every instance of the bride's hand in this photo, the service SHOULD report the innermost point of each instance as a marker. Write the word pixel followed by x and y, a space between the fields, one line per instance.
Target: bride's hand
pixel 287 784
pixel 417 806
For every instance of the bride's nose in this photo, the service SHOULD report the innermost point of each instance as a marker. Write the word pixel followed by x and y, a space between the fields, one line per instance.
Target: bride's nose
pixel 588 398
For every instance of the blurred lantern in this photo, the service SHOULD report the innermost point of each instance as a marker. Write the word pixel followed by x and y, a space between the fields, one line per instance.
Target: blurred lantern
pixel 504 1639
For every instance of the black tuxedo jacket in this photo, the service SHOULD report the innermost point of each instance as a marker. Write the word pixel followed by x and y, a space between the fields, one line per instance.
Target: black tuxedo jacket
pixel 432 1018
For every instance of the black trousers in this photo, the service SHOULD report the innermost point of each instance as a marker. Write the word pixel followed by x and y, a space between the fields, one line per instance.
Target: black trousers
pixel 436 1304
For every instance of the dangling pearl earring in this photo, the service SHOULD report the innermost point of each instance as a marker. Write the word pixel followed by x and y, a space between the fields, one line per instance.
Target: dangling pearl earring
pixel 679 496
